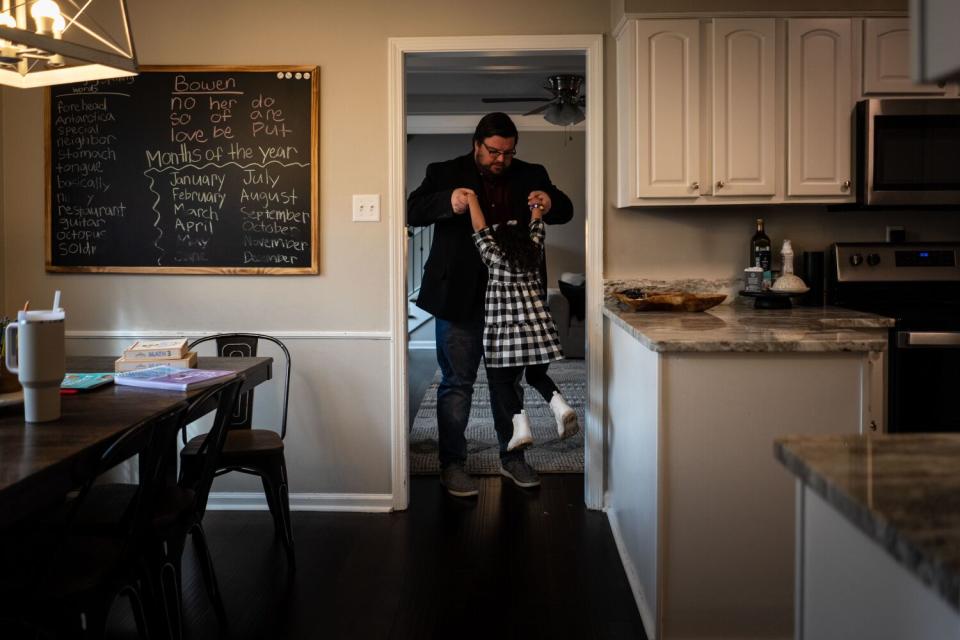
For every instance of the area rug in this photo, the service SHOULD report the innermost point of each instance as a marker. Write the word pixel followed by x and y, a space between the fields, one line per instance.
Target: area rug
pixel 548 454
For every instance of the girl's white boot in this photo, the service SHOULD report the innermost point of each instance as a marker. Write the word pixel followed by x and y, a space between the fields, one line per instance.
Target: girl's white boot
pixel 522 436
pixel 567 423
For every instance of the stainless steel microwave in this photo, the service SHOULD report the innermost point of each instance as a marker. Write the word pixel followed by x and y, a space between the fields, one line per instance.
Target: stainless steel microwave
pixel 908 151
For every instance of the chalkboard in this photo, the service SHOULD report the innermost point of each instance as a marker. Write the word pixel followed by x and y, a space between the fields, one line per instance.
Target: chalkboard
pixel 185 170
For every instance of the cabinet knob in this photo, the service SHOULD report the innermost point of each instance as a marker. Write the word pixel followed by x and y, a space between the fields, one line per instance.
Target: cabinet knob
pixel 873 425
pixel 719 184
pixel 695 186
pixel 846 185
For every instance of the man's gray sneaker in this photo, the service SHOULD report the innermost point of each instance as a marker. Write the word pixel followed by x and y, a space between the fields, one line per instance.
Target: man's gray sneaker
pixel 520 472
pixel 458 482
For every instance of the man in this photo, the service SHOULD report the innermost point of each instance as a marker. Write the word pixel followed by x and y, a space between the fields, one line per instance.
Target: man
pixel 455 280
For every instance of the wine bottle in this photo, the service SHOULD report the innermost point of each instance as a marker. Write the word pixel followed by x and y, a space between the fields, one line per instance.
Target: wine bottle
pixel 760 251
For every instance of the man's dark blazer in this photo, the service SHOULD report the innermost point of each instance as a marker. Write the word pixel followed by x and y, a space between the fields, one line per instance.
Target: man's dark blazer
pixel 454 278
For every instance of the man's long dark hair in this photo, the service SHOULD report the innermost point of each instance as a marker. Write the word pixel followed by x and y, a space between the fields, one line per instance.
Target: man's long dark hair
pixel 521 251
pixel 495 124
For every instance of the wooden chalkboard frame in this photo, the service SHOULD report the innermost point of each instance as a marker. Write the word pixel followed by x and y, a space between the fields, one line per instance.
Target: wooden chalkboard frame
pixel 313 269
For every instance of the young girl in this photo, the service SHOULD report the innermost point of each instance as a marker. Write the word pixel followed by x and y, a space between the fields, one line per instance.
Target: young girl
pixel 519 333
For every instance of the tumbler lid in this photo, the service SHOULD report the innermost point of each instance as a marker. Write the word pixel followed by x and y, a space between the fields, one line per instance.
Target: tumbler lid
pixel 40 315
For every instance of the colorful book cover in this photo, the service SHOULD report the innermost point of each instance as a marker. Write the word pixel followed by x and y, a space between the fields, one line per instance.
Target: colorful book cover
pixel 165 377
pixel 85 381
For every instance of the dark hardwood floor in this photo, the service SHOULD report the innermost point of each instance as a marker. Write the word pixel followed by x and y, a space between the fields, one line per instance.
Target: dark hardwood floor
pixel 512 564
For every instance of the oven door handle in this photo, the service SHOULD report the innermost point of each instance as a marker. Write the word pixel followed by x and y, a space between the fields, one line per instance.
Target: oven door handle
pixel 908 339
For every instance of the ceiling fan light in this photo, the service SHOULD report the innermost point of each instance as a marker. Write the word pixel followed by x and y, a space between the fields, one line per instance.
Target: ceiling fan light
pixel 563 114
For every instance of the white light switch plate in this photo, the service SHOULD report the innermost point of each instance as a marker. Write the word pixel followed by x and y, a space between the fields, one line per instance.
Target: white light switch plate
pixel 366 208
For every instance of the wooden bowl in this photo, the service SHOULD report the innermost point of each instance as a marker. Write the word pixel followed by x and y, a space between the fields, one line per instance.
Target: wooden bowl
pixel 672 301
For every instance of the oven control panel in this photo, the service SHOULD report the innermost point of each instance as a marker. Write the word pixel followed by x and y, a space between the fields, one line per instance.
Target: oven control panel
pixel 900 262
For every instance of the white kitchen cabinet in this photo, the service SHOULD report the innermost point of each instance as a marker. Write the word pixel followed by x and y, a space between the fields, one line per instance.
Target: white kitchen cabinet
pixel 819 105
pixel 702 514
pixel 744 107
pixel 750 110
pixel 850 587
pixel 659 110
pixel 886 59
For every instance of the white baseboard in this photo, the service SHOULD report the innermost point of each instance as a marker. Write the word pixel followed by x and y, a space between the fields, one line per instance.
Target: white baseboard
pixel 416 345
pixel 345 502
pixel 646 614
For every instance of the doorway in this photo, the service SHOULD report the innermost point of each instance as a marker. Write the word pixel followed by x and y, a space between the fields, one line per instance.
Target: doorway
pixel 589 48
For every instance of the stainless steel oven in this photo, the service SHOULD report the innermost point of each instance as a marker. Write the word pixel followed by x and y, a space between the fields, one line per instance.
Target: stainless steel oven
pixel 918 285
pixel 907 151
pixel 924 381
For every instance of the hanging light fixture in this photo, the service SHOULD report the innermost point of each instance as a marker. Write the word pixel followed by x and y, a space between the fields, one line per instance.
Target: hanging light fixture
pixel 563 114
pixel 42 44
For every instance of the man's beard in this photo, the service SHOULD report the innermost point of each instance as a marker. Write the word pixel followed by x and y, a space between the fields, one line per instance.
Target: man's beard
pixel 488 169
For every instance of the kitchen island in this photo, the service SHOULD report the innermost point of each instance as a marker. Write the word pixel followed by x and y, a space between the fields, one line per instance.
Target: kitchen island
pixel 702 514
pixel 878 535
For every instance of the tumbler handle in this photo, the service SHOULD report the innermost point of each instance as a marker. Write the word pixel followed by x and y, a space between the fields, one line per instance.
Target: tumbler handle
pixel 10 345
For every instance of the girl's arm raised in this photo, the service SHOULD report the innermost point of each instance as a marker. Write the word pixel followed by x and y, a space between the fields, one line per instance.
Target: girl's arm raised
pixel 536 224
pixel 476 213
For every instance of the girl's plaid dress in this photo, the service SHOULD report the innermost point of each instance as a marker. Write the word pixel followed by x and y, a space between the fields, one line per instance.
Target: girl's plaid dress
pixel 518 328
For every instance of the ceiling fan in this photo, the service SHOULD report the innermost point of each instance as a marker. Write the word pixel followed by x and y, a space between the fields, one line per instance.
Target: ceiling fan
pixel 564 108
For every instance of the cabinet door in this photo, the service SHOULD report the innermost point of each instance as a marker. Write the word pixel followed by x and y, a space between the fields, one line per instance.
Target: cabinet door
pixel 667 123
pixel 886 58
pixel 744 104
pixel 819 105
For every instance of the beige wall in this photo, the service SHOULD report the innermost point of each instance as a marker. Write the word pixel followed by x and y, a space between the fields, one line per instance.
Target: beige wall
pixel 679 6
pixel 713 242
pixel 340 428
pixel 4 309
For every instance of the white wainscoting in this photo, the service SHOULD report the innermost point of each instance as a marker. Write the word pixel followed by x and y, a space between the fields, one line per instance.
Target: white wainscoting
pixel 331 440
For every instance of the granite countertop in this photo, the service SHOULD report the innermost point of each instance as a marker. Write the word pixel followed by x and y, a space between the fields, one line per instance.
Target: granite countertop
pixel 740 327
pixel 903 491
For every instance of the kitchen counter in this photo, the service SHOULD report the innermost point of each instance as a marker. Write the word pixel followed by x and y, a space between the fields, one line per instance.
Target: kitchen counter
pixel 693 402
pixel 741 328
pixel 901 491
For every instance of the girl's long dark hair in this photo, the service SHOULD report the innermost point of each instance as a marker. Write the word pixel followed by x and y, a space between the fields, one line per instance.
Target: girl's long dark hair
pixel 521 252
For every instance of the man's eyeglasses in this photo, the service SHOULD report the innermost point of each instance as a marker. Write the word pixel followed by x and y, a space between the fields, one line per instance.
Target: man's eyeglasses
pixel 497 153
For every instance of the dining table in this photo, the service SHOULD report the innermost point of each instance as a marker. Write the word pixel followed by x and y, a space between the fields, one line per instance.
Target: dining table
pixel 40 462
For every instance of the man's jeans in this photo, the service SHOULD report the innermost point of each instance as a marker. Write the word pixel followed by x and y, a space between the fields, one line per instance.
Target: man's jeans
pixel 459 350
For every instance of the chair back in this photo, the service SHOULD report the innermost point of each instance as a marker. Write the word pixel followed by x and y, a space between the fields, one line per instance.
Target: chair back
pixel 200 479
pixel 244 345
pixel 151 440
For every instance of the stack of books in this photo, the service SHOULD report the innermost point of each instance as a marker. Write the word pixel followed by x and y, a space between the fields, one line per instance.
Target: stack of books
pixel 151 353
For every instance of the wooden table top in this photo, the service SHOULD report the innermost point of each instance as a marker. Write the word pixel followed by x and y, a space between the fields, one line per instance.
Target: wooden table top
pixel 40 461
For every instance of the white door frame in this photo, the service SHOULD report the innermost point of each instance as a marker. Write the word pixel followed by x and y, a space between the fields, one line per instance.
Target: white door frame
pixel 592 46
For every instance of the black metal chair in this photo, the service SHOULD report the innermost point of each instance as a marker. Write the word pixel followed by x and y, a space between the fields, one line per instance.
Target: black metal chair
pixel 68 576
pixel 180 511
pixel 176 512
pixel 253 451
